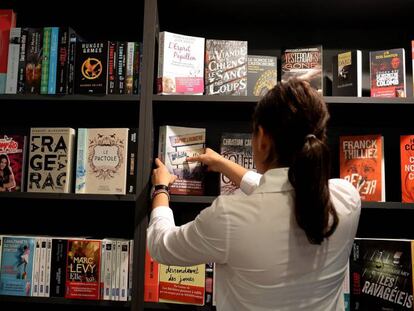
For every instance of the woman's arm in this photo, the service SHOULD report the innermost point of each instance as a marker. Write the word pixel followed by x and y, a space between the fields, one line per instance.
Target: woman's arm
pixel 11 183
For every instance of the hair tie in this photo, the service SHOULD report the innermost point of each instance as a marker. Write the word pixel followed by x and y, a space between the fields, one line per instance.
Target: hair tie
pixel 309 136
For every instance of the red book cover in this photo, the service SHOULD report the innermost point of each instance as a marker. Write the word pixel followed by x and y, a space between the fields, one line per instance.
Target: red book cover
pixel 151 279
pixel 12 157
pixel 407 168
pixel 7 21
pixel 83 269
pixel 361 162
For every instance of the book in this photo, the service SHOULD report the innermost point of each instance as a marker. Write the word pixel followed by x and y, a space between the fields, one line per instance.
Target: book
pixel 121 47
pixel 21 73
pixel 236 147
pixel 174 146
pixel 347 74
pixel 58 267
pixel 13 60
pixel 83 269
pixel 361 162
pixel 185 285
pixel 17 266
pixel 50 159
pixel 101 163
pixel 111 79
pixel 129 67
pixel 13 156
pixel 381 275
pixel 53 60
pixel 91 67
pixel 44 81
pixel 7 21
pixel 151 279
pixel 304 63
pixel 261 74
pixel 407 168
pixel 387 73
pixel 226 67
pixel 34 58
pixel 180 64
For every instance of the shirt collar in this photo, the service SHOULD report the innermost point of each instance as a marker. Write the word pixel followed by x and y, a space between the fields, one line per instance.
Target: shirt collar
pixel 275 180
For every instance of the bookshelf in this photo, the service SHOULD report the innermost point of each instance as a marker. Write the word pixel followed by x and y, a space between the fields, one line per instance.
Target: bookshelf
pixel 270 27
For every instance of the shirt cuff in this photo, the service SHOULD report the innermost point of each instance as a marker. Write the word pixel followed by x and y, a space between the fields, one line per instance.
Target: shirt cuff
pixel 162 212
pixel 249 182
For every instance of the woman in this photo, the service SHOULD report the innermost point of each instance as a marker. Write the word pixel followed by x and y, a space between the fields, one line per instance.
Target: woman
pixel 285 245
pixel 7 181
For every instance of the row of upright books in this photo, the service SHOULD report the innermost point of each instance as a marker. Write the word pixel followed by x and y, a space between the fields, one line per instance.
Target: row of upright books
pixel 105 161
pixel 56 60
pixel 195 65
pixel 75 268
pixel 361 161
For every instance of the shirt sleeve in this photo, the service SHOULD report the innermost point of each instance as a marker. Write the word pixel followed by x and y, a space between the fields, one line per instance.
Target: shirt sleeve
pixel 250 181
pixel 202 240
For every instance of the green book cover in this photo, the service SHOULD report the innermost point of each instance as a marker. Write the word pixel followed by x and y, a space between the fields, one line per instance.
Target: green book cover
pixel 45 63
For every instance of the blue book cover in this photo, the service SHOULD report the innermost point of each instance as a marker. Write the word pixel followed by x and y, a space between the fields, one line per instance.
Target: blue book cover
pixel 54 39
pixel 17 266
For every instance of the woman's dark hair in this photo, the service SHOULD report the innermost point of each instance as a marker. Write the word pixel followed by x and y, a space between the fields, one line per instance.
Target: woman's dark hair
pixel 6 171
pixel 295 116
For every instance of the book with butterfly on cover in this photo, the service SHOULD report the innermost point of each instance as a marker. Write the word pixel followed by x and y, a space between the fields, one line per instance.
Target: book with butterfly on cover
pixel 381 274
pixel 361 162
pixel 261 74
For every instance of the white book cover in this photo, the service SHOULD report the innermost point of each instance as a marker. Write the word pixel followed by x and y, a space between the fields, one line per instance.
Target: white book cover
pixel 13 60
pixel 42 271
pixel 180 64
pixel 103 161
pixel 113 271
pixel 108 270
pixel 175 145
pixel 50 159
pixel 48 266
pixel 123 277
pixel 36 267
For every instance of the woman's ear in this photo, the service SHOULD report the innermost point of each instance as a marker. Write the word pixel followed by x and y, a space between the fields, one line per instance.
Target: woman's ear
pixel 263 141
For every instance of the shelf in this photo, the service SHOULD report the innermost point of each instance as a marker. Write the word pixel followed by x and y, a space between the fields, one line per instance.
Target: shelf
pixel 64 301
pixel 192 199
pixel 173 306
pixel 94 98
pixel 388 205
pixel 253 99
pixel 67 196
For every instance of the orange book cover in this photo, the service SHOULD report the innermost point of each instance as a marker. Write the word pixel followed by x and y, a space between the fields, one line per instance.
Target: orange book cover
pixel 151 279
pixel 407 168
pixel 361 162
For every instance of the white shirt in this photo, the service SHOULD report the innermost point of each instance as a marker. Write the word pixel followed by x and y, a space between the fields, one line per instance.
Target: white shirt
pixel 263 259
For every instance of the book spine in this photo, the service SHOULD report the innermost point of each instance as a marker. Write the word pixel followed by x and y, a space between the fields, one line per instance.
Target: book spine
pixel 1 248
pixel 160 62
pixel 13 60
pixel 102 271
pixel 7 22
pixel 132 161
pixel 62 62
pixel 123 277
pixel 121 63
pixel 54 41
pixel 45 60
pixel 24 166
pixel 71 62
pixel 137 68
pixel 33 60
pixel 129 71
pixel 151 279
pixel 113 271
pixel 42 270
pixel 58 268
pixel 21 75
pixel 81 160
pixel 48 266
pixel 111 67
pixel 130 268
pixel 70 159
pixel 108 271
pixel 36 268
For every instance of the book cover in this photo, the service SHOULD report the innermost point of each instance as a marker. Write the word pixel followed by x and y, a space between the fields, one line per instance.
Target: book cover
pixel 407 168
pixel 7 21
pixel 387 73
pixel 83 269
pixel 13 60
pixel 102 160
pixel 180 64
pixel 151 279
pixel 347 74
pixel 12 162
pixel 236 147
pixel 175 145
pixel 381 275
pixel 91 67
pixel 305 64
pixel 361 162
pixel 50 159
pixel 21 73
pixel 226 67
pixel 184 285
pixel 44 80
pixel 17 266
pixel 261 74
pixel 34 57
pixel 58 267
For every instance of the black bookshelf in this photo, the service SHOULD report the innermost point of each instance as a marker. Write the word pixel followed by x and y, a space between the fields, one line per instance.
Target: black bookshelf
pixel 67 196
pixel 83 98
pixel 64 302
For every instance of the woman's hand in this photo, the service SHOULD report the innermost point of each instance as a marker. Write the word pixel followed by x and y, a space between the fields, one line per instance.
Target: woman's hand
pixel 161 175
pixel 212 159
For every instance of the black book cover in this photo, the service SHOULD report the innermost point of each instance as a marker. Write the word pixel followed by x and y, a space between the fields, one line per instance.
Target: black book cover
pixel 347 74
pixel 58 267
